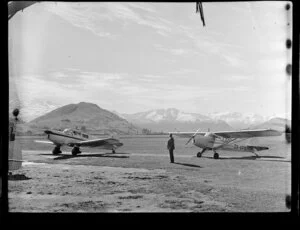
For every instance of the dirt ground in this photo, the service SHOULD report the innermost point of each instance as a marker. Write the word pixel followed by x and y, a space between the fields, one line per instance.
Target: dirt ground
pixel 139 182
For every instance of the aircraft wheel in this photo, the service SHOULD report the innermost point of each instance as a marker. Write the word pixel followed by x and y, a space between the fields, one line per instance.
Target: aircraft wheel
pixel 56 150
pixel 113 151
pixel 216 156
pixel 199 154
pixel 75 151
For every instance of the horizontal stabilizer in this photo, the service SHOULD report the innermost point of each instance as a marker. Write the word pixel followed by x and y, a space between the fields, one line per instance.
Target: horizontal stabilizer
pixel 257 148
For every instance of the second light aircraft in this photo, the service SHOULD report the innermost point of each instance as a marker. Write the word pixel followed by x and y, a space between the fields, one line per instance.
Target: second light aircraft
pixel 226 140
pixel 76 139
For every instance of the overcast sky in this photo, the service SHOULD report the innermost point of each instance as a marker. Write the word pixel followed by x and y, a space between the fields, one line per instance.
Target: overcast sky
pixel 134 57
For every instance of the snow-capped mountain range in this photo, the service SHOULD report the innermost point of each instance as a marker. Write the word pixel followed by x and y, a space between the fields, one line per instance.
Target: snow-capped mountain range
pixel 234 119
pixel 173 119
pixel 239 120
pixel 245 120
pixel 171 114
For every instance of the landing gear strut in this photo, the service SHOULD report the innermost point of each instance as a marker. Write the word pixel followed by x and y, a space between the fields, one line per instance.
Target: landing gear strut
pixel 199 154
pixel 56 150
pixel 75 150
pixel 255 152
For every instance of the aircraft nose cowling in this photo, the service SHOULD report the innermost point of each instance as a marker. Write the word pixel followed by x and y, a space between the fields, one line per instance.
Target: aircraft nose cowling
pixel 204 141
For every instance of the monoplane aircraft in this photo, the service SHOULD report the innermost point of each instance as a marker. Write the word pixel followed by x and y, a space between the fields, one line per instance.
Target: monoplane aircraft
pixel 226 140
pixel 77 139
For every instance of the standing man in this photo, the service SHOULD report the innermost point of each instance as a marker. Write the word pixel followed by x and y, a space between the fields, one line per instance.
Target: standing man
pixel 171 147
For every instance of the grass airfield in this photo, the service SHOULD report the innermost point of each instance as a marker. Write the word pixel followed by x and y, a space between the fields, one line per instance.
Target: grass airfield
pixel 140 178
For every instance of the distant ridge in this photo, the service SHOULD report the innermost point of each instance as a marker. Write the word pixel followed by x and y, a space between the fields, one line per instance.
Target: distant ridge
pixel 239 120
pixel 276 123
pixel 173 119
pixel 85 116
pixel 91 118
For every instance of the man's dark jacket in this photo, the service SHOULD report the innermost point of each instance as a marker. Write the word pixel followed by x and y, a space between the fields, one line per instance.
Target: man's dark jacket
pixel 171 144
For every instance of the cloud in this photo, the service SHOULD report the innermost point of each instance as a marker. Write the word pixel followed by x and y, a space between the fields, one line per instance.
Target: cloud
pixel 208 43
pixel 79 15
pixel 36 86
pixel 62 85
pixel 93 17
pixel 157 23
pixel 273 65
pixel 121 85
pixel 236 78
pixel 176 51
pixel 143 6
pixel 184 71
pixel 90 16
pixel 121 12
pixel 232 60
pixel 126 13
pixel 87 75
pixel 71 69
pixel 57 75
pixel 67 79
pixel 238 89
pixel 61 88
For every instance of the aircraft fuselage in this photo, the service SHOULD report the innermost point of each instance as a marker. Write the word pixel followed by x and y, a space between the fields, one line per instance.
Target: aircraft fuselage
pixel 70 137
pixel 211 142
pixel 62 138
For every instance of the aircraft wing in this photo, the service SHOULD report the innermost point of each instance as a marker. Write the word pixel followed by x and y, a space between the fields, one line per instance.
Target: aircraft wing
pixel 234 134
pixel 44 142
pixel 186 134
pixel 249 133
pixel 100 142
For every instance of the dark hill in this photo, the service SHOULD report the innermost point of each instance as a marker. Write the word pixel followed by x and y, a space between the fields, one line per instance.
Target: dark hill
pixel 85 116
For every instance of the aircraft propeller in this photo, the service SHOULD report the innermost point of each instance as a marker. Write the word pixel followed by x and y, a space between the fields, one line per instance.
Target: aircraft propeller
pixel 192 137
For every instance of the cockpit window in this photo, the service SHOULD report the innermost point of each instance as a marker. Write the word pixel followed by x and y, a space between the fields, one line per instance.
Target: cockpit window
pixel 68 131
pixel 74 132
